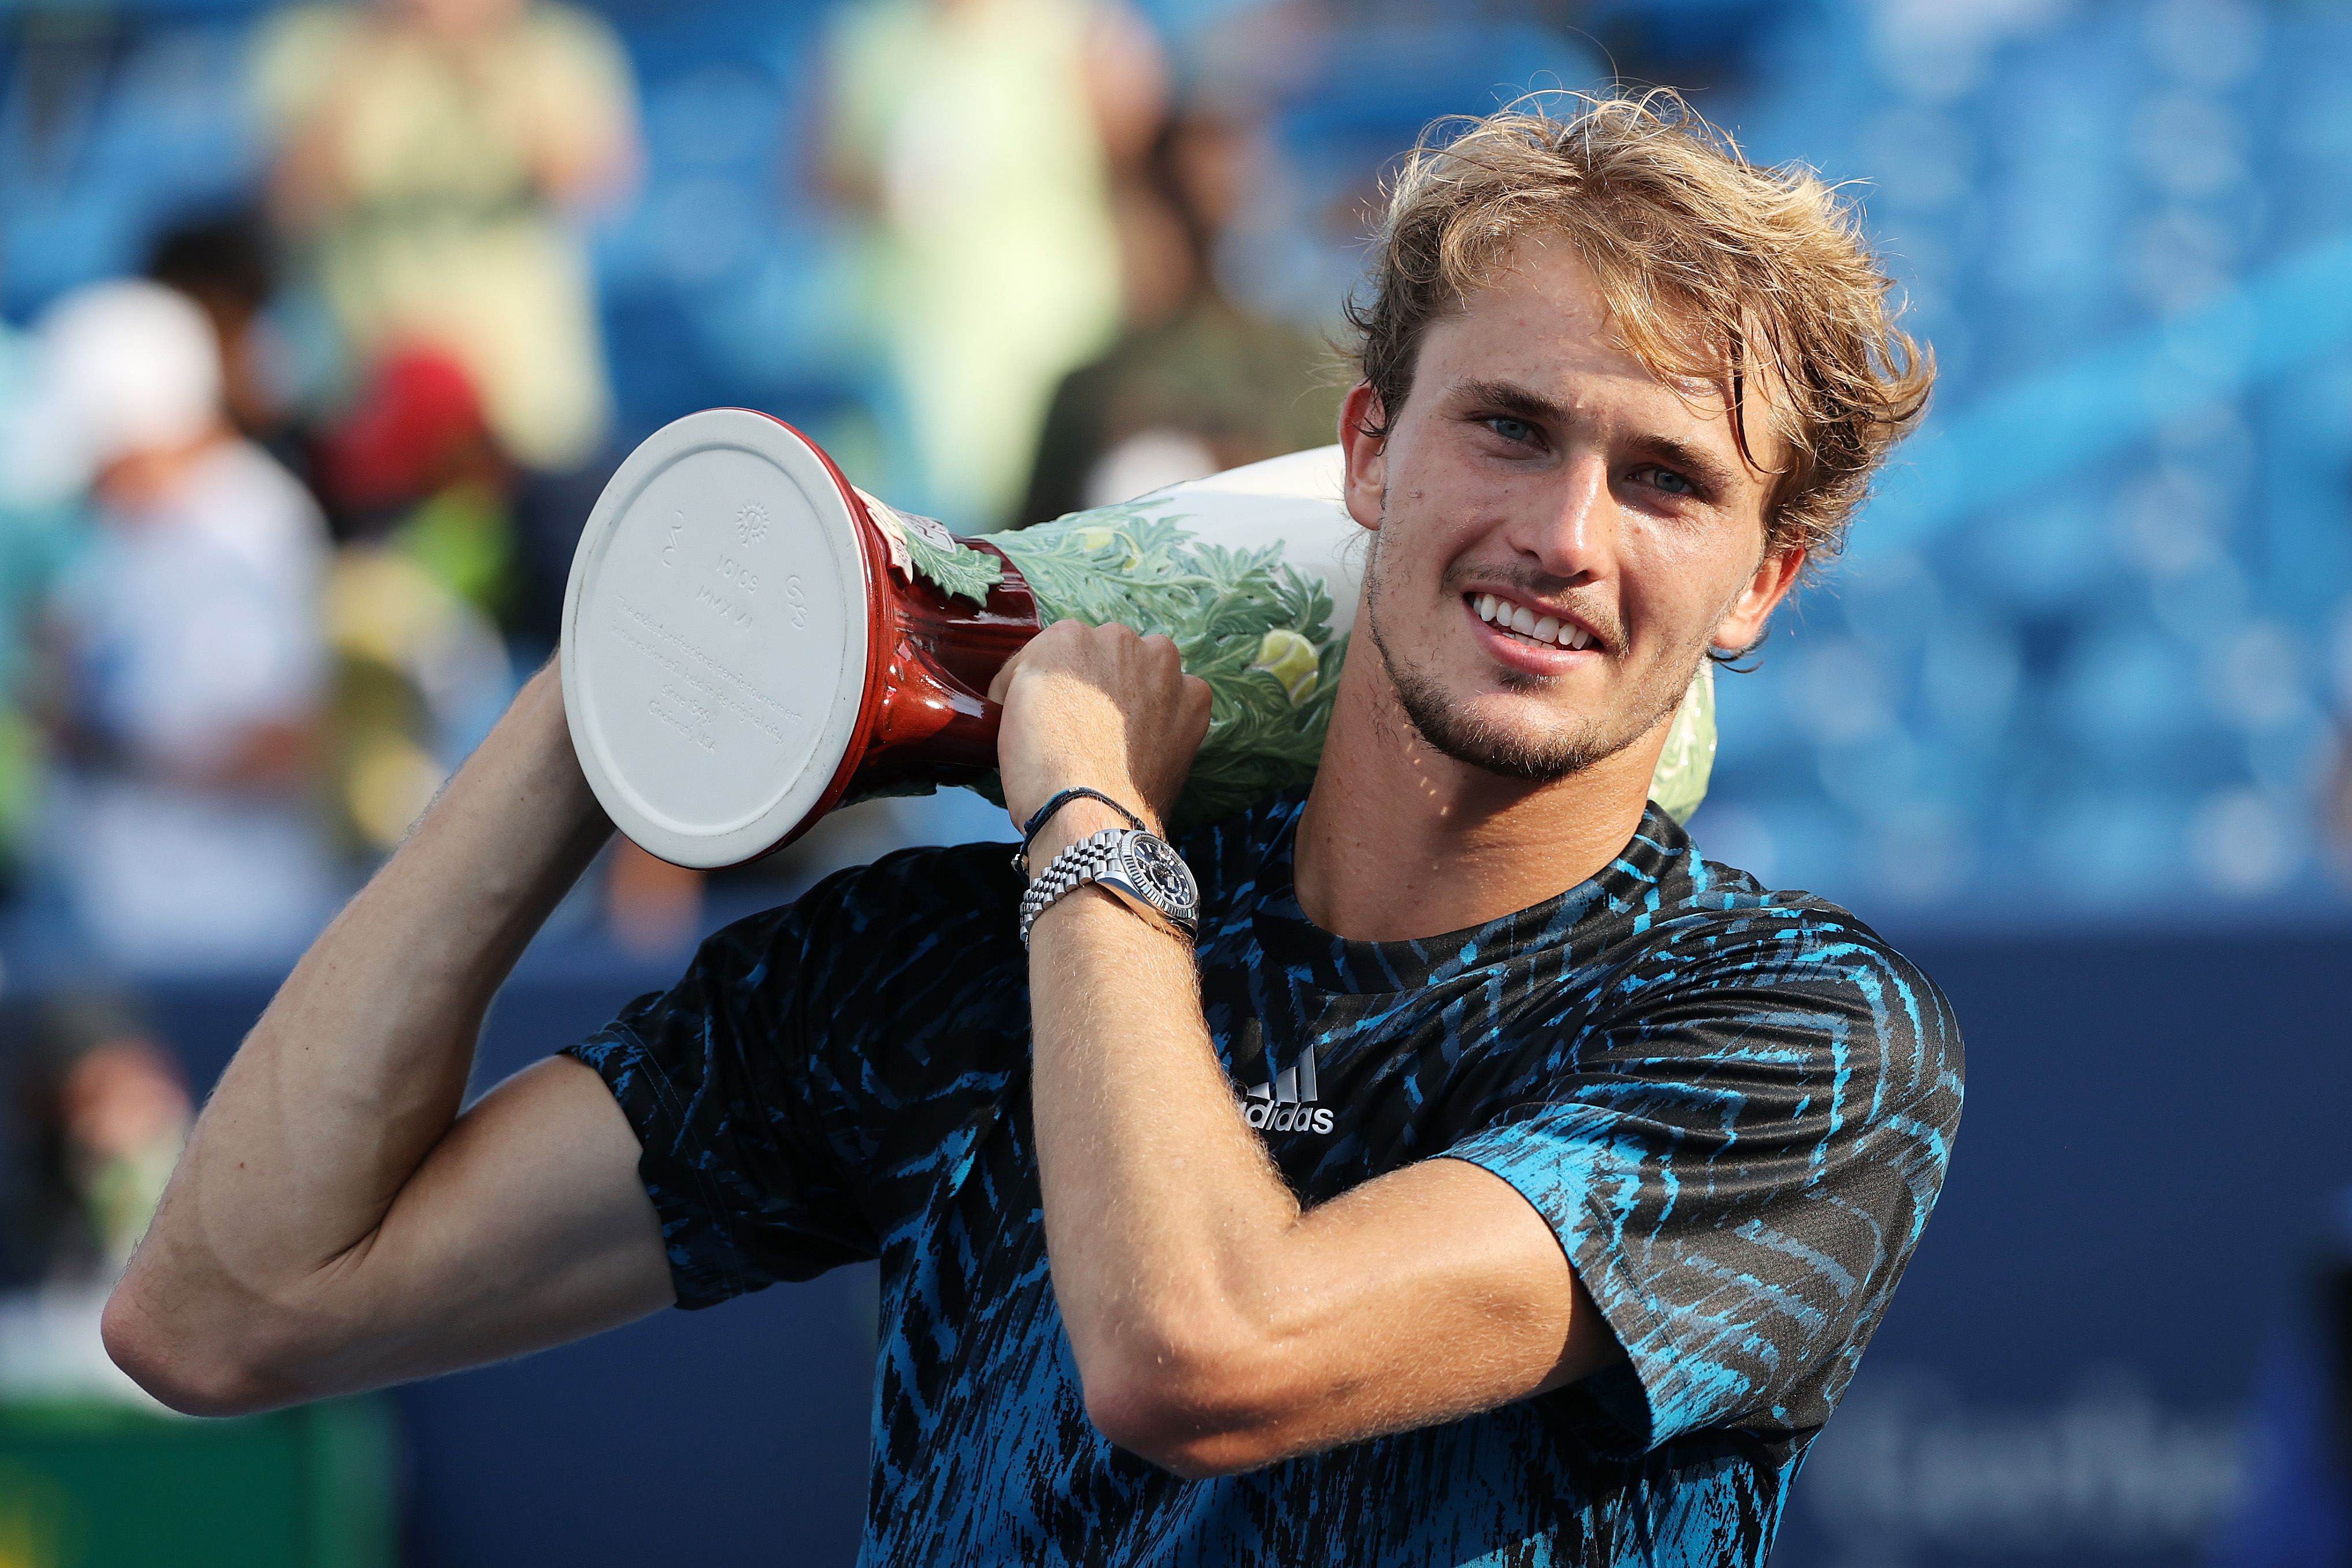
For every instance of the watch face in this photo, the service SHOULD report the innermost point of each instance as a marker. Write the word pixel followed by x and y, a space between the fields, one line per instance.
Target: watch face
pixel 1161 874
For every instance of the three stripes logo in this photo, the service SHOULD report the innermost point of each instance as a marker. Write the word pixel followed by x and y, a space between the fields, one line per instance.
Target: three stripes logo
pixel 1287 1104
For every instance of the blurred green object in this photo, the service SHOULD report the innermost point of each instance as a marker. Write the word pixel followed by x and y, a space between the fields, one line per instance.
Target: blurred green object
pixel 97 1486
pixel 1246 622
pixel 464 536
pixel 1679 783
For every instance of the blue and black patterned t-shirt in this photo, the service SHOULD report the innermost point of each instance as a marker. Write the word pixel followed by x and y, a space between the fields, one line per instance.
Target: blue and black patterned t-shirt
pixel 1734 1107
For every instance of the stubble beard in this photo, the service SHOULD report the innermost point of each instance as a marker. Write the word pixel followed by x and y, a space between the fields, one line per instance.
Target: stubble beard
pixel 1547 757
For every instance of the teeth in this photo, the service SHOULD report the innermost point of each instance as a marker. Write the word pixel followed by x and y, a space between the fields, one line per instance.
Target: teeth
pixel 1501 611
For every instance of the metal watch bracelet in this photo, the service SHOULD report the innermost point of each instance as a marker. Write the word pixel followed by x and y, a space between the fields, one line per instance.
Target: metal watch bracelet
pixel 1079 863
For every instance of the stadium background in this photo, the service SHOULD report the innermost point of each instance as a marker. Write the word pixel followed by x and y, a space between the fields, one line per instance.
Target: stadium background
pixel 2069 721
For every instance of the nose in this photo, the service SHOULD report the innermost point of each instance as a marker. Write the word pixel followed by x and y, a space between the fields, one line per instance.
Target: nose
pixel 1572 533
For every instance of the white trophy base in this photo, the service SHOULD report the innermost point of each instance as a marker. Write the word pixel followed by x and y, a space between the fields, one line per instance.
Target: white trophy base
pixel 716 637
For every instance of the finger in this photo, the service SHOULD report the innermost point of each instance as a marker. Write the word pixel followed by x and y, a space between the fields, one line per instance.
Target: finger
pixel 1043 645
pixel 1198 704
pixel 1002 681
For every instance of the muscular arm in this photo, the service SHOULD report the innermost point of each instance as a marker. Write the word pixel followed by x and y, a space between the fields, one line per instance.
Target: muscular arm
pixel 1217 1325
pixel 335 1224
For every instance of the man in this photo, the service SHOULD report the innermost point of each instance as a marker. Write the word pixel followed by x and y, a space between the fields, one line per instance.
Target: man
pixel 434 162
pixel 1490 1179
pixel 196 663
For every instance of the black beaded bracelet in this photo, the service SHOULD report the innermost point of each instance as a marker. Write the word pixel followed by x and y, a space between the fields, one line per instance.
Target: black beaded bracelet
pixel 1044 813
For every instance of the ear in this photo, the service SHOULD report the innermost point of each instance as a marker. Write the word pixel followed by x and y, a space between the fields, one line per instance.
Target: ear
pixel 1367 454
pixel 1743 624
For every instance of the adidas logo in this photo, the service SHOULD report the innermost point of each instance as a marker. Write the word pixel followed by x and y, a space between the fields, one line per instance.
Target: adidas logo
pixel 1287 1104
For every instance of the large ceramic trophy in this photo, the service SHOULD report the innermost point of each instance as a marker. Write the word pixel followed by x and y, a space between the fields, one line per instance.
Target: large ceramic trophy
pixel 750 640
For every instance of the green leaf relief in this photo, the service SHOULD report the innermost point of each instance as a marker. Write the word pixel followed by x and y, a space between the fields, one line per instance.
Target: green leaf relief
pixel 1246 622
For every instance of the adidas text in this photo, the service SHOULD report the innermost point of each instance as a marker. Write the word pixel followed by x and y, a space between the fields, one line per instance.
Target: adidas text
pixel 1288 1118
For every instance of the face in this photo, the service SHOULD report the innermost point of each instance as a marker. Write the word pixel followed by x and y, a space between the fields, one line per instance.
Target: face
pixel 1559 536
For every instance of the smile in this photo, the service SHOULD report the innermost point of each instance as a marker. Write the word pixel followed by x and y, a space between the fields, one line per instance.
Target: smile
pixel 1534 627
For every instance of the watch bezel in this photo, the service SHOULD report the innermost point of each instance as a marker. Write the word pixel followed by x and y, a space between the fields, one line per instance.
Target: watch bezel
pixel 1135 880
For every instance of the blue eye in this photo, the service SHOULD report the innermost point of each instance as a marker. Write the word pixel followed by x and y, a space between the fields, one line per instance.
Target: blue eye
pixel 1513 430
pixel 1673 483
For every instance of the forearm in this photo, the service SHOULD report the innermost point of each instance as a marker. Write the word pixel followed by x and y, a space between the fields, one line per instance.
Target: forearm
pixel 1162 1207
pixel 360 1064
pixel 1217 1326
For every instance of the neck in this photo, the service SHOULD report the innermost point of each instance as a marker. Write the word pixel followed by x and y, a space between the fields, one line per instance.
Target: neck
pixel 1398 840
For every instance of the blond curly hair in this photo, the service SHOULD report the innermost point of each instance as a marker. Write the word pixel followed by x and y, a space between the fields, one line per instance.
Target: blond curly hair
pixel 1747 279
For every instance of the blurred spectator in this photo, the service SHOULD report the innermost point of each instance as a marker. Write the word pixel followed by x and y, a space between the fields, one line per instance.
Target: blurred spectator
pixel 194 666
pixel 101 1112
pixel 1196 384
pixel 223 262
pixel 430 153
pixel 420 675
pixel 422 496
pixel 415 466
pixel 981 137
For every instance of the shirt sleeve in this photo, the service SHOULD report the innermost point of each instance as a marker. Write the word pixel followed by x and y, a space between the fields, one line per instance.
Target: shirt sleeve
pixel 1737 1156
pixel 740 1123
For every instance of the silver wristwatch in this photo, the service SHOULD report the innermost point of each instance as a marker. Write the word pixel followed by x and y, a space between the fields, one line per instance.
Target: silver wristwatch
pixel 1137 866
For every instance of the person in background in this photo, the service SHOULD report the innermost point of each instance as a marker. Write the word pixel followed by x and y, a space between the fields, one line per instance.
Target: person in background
pixel 223 262
pixel 192 662
pixel 101 1109
pixel 980 139
pixel 1196 384
pixel 432 158
pixel 420 496
pixel 414 466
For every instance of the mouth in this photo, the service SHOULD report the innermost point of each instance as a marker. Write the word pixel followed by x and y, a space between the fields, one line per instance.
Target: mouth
pixel 1525 627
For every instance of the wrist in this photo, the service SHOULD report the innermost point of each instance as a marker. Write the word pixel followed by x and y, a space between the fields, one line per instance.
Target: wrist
pixel 1075 820
pixel 1132 864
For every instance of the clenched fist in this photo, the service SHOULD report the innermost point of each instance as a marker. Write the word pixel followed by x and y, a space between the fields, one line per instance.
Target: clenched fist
pixel 1098 706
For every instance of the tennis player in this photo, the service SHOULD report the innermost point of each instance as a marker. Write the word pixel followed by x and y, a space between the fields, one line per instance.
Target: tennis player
pixel 1446 1166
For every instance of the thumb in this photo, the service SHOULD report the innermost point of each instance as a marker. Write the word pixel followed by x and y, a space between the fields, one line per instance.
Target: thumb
pixel 1002 681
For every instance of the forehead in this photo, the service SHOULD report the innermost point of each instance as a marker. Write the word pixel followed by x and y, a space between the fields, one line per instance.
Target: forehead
pixel 1541 323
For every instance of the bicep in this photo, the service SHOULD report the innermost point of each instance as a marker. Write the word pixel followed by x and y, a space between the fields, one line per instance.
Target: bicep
pixel 525 1227
pixel 1428 1295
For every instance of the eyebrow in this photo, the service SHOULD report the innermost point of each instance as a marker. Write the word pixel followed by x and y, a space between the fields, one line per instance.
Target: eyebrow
pixel 1668 451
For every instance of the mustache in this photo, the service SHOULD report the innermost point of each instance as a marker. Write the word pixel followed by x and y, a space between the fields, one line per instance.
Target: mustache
pixel 1583 602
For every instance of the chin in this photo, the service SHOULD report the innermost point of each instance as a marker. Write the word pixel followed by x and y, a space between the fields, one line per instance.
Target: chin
pixel 1512 735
